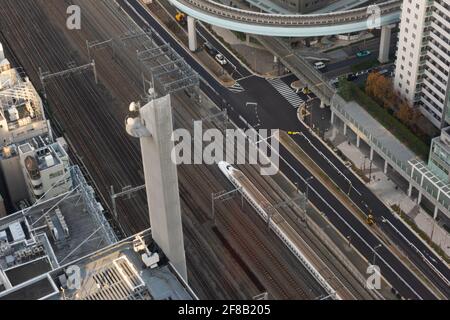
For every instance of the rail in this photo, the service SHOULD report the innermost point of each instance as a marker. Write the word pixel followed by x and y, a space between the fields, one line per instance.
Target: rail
pixel 284 237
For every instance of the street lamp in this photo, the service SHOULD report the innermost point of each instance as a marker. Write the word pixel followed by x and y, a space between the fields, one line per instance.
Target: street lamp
pixel 350 185
pixel 375 252
pixel 307 194
pixel 307 187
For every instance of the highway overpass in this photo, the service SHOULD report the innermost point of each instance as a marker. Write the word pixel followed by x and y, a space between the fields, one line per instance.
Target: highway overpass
pixel 267 26
pixel 280 25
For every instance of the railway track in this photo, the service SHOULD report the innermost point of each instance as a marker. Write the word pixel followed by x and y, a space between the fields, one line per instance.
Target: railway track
pixel 273 271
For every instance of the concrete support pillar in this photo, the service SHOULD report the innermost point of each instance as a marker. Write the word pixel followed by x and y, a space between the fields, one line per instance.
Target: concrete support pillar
pixel 385 43
pixel 410 190
pixel 153 126
pixel 345 129
pixel 385 166
pixel 192 33
pixel 419 198
pixel 247 38
pixel 322 105
pixel 332 116
pixel 371 154
pixel 436 210
pixel 358 141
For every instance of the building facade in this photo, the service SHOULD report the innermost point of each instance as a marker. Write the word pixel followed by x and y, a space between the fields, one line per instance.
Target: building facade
pixel 439 159
pixel 36 169
pixel 423 55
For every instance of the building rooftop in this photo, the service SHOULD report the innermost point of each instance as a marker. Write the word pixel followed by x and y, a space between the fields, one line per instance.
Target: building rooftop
pixel 132 269
pixel 21 108
pixel 51 233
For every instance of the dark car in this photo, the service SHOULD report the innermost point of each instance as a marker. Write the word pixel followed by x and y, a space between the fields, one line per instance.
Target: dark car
pixel 211 50
pixel 351 77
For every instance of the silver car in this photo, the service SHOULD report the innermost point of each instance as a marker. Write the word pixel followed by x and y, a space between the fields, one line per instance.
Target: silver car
pixel 221 59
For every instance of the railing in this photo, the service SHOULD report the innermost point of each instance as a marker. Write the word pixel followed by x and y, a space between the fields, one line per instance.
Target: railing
pixel 355 15
pixel 92 205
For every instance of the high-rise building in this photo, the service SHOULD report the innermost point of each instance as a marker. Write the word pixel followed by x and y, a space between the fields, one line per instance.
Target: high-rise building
pixel 423 55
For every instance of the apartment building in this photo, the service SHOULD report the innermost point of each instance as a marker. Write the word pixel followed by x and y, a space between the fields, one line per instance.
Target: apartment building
pixel 423 55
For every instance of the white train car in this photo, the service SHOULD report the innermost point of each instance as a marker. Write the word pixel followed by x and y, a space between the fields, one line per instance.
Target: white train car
pixel 277 223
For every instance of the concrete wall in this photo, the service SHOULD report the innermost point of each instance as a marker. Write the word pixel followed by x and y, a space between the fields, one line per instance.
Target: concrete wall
pixel 15 181
pixel 303 6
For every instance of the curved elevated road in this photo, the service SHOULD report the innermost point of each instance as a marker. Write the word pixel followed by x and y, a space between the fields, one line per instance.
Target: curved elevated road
pixel 268 24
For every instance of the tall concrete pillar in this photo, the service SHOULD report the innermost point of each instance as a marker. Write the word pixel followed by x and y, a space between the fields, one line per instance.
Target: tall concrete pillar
pixel 322 105
pixel 332 116
pixel 345 129
pixel 419 198
pixel 386 164
pixel 192 33
pixel 385 43
pixel 152 124
pixel 410 190
pixel 371 154
pixel 358 141
pixel 436 210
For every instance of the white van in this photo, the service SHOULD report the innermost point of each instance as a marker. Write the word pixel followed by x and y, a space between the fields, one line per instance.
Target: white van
pixel 319 65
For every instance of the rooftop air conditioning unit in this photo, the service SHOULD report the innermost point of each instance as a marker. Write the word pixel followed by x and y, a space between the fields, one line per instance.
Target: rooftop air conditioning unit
pixel 13 114
pixel 49 160
pixel 150 261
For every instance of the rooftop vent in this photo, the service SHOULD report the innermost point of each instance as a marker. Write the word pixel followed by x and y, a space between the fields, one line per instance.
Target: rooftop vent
pixel 13 114
pixel 49 160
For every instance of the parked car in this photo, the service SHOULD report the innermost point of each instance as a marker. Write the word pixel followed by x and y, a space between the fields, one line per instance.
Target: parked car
pixel 210 48
pixel 351 77
pixel 319 65
pixel 363 53
pixel 221 59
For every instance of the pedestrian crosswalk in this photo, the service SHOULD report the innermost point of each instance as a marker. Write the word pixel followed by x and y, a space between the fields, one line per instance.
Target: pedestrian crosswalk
pixel 286 92
pixel 236 87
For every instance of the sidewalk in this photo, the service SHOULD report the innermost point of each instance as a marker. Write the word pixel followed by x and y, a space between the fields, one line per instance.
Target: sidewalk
pixel 390 194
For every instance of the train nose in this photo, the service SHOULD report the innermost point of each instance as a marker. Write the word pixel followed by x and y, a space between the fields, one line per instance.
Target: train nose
pixel 224 165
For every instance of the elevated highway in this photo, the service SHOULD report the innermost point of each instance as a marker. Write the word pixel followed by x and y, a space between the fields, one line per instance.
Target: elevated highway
pixel 268 26
pixel 310 25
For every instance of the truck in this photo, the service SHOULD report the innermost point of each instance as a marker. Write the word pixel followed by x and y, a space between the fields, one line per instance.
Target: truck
pixel 180 17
